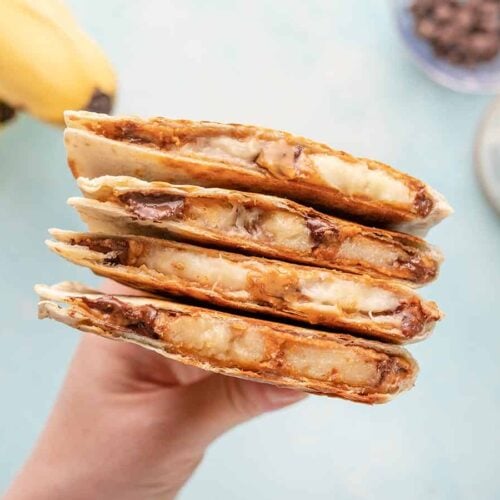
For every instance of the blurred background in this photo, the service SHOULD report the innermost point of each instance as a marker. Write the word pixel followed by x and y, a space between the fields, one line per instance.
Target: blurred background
pixel 335 71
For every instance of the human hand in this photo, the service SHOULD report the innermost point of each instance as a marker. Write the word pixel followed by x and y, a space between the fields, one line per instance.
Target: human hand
pixel 130 424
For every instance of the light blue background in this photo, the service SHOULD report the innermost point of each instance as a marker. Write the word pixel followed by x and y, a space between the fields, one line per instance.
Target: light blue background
pixel 334 71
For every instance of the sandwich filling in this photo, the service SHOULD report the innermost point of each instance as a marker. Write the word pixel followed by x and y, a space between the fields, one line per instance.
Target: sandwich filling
pixel 328 242
pixel 276 154
pixel 266 348
pixel 318 296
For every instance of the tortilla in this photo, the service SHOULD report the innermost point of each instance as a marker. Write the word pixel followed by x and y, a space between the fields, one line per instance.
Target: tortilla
pixel 257 224
pixel 251 159
pixel 367 306
pixel 287 356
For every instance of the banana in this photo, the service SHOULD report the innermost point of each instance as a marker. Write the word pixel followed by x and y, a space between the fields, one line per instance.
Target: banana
pixel 6 113
pixel 48 63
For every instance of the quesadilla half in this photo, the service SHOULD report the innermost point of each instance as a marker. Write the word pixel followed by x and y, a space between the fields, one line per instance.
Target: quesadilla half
pixel 251 159
pixel 334 365
pixel 371 307
pixel 259 224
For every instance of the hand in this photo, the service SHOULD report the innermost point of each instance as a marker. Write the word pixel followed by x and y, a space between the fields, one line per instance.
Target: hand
pixel 130 424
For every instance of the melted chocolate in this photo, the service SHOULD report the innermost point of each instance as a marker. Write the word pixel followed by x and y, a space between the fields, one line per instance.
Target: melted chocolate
pixel 419 270
pixel 107 245
pixel 423 203
pixel 413 318
pixel 154 206
pixel 250 224
pixel 321 231
pixel 390 366
pixel 139 319
pixel 297 152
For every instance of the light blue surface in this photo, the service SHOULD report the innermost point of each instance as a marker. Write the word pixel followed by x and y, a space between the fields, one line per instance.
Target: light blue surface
pixel 332 70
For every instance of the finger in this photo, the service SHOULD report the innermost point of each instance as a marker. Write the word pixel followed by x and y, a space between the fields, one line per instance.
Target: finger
pixel 217 403
pixel 112 287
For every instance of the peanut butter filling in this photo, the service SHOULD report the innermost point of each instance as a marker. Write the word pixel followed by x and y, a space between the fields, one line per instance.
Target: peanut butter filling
pixel 261 347
pixel 279 228
pixel 320 296
pixel 282 158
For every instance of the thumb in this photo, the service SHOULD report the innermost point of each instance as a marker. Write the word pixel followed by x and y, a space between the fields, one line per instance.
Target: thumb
pixel 217 403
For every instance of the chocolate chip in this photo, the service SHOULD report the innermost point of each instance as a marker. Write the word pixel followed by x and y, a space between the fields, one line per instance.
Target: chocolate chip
pixel 423 203
pixel 466 32
pixel 464 20
pixel 321 231
pixel 427 29
pixel 483 46
pixel 297 152
pixel 154 206
pixel 117 248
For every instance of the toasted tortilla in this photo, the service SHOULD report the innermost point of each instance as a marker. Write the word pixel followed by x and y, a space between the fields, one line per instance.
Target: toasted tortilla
pixel 258 224
pixel 251 159
pixel 297 358
pixel 359 304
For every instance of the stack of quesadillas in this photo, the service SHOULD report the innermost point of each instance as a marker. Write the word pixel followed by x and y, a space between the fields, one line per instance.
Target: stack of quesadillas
pixel 262 255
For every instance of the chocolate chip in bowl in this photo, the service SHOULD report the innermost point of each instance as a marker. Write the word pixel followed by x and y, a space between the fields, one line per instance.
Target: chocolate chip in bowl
pixel 456 43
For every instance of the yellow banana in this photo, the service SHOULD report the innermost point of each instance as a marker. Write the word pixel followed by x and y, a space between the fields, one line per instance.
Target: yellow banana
pixel 48 64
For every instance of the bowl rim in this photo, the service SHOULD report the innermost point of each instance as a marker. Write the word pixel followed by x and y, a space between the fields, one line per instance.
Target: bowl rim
pixel 492 108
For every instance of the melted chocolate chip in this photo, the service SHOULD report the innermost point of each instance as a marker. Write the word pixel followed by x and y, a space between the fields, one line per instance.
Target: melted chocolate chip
pixel 388 367
pixel 414 264
pixel 139 319
pixel 297 152
pixel 107 245
pixel 321 231
pixel 154 206
pixel 423 203
pixel 413 317
pixel 249 217
pixel 413 320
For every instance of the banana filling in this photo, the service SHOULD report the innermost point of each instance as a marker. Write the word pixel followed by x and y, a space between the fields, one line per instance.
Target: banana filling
pixel 281 228
pixel 288 161
pixel 283 160
pixel 278 158
pixel 320 296
pixel 228 342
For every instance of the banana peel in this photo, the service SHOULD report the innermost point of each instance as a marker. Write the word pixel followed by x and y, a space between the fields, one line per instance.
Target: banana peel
pixel 49 64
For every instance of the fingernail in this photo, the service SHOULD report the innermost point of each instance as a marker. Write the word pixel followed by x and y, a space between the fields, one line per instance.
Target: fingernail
pixel 278 397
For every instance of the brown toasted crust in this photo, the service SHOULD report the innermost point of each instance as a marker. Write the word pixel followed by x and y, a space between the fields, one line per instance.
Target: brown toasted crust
pixel 99 145
pixel 395 369
pixel 414 261
pixel 270 287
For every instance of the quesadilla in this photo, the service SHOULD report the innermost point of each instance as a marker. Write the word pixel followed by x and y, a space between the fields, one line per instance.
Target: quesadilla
pixel 334 365
pixel 368 306
pixel 251 159
pixel 258 224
